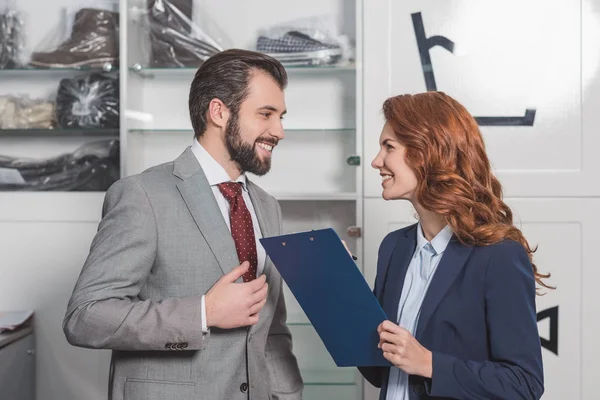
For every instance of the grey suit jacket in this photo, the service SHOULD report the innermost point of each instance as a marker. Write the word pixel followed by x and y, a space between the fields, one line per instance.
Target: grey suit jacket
pixel 162 243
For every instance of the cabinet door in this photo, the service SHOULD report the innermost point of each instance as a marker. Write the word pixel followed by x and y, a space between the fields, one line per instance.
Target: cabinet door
pixel 528 71
pixel 17 369
pixel 565 231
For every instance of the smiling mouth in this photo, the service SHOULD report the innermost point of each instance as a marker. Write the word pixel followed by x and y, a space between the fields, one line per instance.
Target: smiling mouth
pixel 265 146
pixel 386 177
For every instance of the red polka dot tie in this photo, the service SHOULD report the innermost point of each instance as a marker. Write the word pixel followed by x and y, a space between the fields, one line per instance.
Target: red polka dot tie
pixel 242 229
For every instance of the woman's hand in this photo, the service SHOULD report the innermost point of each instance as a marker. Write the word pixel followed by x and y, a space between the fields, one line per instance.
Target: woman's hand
pixel 403 350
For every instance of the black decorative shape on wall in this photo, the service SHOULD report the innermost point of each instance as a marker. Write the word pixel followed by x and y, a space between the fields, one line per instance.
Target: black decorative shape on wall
pixel 551 343
pixel 425 44
pixel 526 120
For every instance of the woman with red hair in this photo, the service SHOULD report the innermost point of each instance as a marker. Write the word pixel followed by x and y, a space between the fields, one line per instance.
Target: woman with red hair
pixel 459 286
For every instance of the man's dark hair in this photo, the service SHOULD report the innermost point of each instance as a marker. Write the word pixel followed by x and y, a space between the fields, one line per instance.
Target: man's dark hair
pixel 226 76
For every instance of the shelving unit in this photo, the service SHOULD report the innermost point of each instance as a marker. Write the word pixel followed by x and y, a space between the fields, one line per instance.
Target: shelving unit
pixel 317 169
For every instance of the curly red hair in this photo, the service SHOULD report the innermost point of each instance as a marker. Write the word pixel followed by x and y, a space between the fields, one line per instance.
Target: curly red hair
pixel 446 151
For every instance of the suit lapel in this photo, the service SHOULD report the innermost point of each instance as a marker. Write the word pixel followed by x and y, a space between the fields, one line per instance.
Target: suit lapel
pixel 203 207
pixel 396 271
pixel 268 226
pixel 453 260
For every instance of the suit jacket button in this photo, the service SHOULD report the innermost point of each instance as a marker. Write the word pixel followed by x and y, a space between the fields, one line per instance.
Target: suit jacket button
pixel 244 387
pixel 168 346
pixel 184 345
pixel 419 389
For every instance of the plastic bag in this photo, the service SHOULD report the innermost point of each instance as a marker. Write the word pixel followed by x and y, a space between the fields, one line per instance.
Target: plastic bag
pixel 12 35
pixel 307 41
pixel 175 41
pixel 88 101
pixel 92 167
pixel 89 39
pixel 23 112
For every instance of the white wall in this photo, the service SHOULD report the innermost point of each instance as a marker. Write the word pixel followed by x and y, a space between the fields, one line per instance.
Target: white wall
pixel 508 57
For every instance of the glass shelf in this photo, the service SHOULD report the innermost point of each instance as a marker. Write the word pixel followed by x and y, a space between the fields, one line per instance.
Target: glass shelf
pixel 27 71
pixel 151 72
pixel 298 324
pixel 190 132
pixel 71 132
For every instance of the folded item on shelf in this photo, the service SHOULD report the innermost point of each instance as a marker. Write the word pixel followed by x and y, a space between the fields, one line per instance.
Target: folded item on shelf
pixel 175 41
pixel 23 112
pixel 92 167
pixel 13 320
pixel 93 42
pixel 310 41
pixel 12 35
pixel 88 101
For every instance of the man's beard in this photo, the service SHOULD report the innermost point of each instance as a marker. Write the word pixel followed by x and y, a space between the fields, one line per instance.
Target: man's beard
pixel 242 153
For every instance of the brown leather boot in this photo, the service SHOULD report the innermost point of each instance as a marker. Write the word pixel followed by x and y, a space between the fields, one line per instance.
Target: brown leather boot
pixel 94 42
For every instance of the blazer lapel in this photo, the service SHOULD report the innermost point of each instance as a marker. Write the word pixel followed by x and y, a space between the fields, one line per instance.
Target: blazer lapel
pixel 396 272
pixel 198 196
pixel 453 260
pixel 268 226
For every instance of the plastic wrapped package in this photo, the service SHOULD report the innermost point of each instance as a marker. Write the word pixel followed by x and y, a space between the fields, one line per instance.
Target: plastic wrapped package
pixel 88 101
pixel 305 42
pixel 23 112
pixel 92 167
pixel 93 41
pixel 12 35
pixel 175 41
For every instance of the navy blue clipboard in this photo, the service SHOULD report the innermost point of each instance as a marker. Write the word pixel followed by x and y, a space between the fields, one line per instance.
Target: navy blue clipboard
pixel 332 292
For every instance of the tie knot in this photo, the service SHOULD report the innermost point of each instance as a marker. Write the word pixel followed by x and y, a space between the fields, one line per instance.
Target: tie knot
pixel 230 190
pixel 429 249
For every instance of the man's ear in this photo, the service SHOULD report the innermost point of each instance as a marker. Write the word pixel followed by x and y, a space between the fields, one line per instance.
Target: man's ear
pixel 218 113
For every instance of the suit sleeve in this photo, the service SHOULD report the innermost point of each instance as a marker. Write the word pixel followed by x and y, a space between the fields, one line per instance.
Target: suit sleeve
pixel 105 311
pixel 515 371
pixel 284 373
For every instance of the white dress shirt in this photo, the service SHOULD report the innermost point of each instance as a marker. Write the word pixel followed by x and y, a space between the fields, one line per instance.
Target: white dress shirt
pixel 420 271
pixel 215 174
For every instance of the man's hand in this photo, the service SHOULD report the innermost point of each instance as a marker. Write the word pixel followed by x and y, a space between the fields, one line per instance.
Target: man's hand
pixel 403 350
pixel 233 305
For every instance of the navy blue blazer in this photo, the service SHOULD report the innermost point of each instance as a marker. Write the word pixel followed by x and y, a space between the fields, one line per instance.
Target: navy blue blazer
pixel 478 319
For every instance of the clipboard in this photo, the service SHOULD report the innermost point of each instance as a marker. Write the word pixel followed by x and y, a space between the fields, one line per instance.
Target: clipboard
pixel 332 292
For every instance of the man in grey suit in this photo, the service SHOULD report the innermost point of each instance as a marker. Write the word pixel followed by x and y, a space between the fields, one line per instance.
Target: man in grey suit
pixel 176 282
